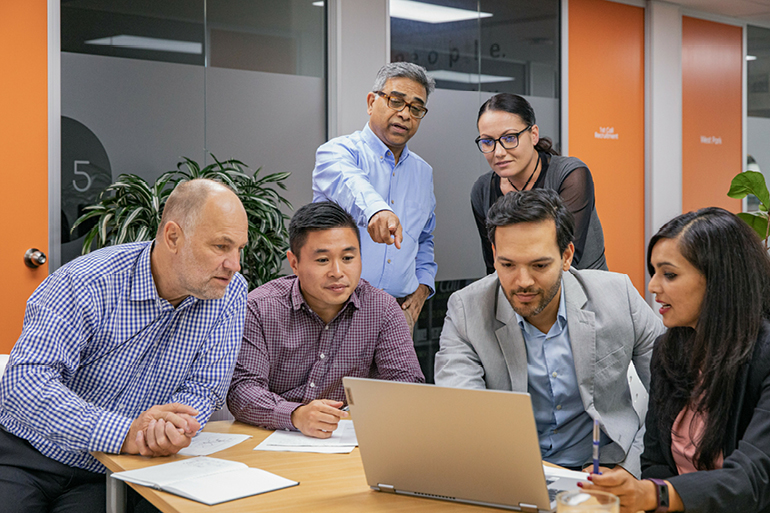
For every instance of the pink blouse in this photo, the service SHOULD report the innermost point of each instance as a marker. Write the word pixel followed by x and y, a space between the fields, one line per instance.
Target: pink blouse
pixel 687 431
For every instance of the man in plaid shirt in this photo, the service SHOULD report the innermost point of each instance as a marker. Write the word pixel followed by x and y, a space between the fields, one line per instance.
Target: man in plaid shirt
pixel 127 349
pixel 305 332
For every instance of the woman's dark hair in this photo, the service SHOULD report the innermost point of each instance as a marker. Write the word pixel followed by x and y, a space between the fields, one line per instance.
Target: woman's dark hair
pixel 699 367
pixel 515 104
pixel 314 217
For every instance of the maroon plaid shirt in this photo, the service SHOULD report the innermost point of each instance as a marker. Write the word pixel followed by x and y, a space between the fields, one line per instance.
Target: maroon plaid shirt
pixel 289 357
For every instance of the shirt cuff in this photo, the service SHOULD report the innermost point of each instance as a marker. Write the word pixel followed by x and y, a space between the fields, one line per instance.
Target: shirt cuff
pixel 282 415
pixel 109 433
pixel 376 207
pixel 425 278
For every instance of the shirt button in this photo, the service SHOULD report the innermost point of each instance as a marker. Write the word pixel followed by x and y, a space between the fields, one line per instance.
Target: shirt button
pixel 558 406
pixel 388 260
pixel 312 385
pixel 554 374
pixel 327 327
pixel 381 158
pixel 555 431
pixel 392 202
pixel 394 173
pixel 322 356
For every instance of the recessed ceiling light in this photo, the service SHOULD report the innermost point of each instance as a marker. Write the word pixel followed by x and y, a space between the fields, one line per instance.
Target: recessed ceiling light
pixel 431 13
pixel 149 43
pixel 467 78
pixel 427 13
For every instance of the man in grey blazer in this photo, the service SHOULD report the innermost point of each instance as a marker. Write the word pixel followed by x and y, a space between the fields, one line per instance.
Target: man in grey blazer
pixel 565 336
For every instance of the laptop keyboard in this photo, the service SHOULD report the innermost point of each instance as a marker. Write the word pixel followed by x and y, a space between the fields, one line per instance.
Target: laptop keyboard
pixel 551 492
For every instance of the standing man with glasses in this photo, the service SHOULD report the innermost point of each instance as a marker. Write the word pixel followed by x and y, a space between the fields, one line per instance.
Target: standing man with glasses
pixel 386 188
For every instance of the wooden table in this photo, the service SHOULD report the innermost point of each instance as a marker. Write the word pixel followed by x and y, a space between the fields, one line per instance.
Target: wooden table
pixel 328 482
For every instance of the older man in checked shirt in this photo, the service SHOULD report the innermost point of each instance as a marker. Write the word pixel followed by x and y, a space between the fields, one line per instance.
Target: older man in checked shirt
pixel 305 332
pixel 127 349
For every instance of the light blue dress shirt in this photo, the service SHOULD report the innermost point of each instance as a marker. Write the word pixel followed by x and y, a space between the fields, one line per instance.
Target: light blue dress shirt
pixel 360 173
pixel 564 428
pixel 99 347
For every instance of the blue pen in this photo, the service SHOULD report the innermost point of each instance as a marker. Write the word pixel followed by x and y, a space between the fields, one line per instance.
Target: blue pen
pixel 597 434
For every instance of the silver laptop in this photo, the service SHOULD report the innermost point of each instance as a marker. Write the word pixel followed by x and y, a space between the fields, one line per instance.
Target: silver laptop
pixel 472 446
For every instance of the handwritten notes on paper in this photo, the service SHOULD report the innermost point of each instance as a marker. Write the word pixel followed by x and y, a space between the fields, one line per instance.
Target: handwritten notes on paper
pixel 342 441
pixel 206 443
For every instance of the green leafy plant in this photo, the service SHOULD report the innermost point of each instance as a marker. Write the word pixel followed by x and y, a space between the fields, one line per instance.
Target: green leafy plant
pixel 130 210
pixel 753 182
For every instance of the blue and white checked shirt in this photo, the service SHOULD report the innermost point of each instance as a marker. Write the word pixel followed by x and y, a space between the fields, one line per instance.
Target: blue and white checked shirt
pixel 359 172
pixel 99 347
pixel 564 428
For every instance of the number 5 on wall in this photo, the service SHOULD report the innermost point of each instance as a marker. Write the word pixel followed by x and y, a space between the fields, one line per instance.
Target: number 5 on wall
pixel 77 172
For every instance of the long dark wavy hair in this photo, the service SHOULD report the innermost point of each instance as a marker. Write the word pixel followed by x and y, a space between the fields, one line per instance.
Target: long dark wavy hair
pixel 515 104
pixel 699 367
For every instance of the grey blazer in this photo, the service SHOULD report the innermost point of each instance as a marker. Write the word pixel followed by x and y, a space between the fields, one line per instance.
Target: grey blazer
pixel 610 325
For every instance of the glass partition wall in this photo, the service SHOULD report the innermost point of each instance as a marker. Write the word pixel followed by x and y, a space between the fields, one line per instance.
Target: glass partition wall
pixel 145 83
pixel 758 104
pixel 474 49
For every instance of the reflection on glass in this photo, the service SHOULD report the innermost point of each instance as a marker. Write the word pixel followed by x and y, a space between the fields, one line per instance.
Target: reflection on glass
pixel 265 35
pixel 757 105
pixel 145 82
pixel 487 45
pixel 169 31
pixel 258 35
pixel 758 71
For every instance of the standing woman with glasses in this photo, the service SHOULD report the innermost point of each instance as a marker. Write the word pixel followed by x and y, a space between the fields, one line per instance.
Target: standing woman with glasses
pixel 520 160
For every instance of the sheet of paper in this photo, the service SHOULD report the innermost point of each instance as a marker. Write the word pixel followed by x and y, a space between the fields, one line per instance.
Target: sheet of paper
pixel 206 443
pixel 341 449
pixel 564 473
pixel 343 440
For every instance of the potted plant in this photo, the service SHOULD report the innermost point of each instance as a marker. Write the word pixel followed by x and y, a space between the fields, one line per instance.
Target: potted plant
pixel 130 210
pixel 753 182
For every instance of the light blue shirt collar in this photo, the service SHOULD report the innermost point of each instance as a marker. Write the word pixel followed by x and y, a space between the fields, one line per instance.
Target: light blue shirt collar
pixel 379 147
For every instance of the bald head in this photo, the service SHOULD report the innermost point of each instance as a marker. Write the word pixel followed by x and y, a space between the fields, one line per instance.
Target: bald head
pixel 188 200
pixel 198 246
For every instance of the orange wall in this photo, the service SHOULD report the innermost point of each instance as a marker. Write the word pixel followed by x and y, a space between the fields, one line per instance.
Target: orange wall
pixel 606 121
pixel 712 60
pixel 24 147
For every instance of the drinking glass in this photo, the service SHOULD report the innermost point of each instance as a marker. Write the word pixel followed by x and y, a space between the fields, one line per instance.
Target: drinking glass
pixel 587 501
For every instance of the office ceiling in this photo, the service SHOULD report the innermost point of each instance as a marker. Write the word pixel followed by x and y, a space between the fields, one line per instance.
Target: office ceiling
pixel 753 11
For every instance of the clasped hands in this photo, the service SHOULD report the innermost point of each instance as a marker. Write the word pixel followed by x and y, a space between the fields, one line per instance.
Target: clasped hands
pixel 162 430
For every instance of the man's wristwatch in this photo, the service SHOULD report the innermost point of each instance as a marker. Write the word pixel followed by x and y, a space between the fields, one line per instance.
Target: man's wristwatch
pixel 661 489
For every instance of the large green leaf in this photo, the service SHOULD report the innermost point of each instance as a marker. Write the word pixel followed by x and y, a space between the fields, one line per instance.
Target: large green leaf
pixel 757 221
pixel 750 182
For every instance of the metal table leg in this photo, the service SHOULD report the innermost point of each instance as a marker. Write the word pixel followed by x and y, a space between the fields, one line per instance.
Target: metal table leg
pixel 116 495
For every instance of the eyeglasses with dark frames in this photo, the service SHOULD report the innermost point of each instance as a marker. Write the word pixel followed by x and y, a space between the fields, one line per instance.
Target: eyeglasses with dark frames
pixel 507 141
pixel 396 103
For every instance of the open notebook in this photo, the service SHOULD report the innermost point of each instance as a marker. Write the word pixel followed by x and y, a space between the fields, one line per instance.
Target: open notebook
pixel 206 480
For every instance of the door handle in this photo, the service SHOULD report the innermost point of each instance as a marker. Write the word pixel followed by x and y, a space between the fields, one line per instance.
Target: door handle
pixel 34 258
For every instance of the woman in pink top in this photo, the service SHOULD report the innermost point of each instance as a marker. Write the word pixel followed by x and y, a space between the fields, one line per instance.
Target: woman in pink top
pixel 707 445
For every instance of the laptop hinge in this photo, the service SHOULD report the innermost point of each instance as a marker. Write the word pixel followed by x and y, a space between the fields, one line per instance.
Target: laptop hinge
pixel 386 488
pixel 528 508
